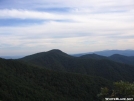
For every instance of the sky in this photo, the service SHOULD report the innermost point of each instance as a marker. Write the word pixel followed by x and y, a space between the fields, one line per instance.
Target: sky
pixel 73 26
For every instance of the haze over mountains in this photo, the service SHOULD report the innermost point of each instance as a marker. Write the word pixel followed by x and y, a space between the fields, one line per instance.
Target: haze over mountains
pixel 11 57
pixel 102 53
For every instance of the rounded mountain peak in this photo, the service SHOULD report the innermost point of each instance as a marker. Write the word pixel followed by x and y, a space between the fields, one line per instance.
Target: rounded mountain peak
pixel 55 50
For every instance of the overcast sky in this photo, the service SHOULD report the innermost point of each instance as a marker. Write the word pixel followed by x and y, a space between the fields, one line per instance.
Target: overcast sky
pixel 73 26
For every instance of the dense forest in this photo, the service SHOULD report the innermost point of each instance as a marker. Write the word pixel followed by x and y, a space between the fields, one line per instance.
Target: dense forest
pixel 22 82
pixel 57 76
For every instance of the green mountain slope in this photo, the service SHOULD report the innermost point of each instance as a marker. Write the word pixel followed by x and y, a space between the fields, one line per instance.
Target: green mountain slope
pixel 93 56
pixel 60 61
pixel 22 82
pixel 116 57
pixel 122 59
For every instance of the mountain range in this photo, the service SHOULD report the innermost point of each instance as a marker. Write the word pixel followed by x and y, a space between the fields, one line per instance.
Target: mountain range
pixel 102 53
pixel 58 76
pixel 95 66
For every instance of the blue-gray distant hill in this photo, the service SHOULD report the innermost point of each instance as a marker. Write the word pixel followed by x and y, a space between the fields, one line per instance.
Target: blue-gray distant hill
pixel 11 57
pixel 109 53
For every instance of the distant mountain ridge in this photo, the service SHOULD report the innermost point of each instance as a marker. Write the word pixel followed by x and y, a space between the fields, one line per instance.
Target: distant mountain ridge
pixel 60 61
pixel 109 53
pixel 93 56
pixel 116 57
pixel 102 53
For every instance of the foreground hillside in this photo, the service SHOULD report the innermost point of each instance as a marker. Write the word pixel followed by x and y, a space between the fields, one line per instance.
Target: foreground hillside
pixel 60 61
pixel 21 82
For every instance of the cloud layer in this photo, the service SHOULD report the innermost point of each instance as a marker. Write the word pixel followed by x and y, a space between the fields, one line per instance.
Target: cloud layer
pixel 73 26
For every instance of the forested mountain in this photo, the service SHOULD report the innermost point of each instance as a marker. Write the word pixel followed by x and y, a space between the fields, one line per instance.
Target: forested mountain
pixel 94 56
pixel 122 59
pixel 116 57
pixel 59 61
pixel 22 82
